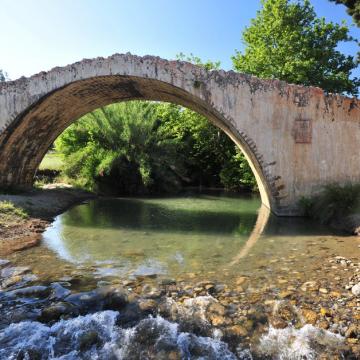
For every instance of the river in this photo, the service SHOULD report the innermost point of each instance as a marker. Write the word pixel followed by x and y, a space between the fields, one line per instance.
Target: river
pixel 197 276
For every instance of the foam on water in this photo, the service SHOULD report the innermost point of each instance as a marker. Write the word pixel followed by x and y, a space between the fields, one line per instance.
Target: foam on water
pixel 97 336
pixel 293 344
pixel 151 337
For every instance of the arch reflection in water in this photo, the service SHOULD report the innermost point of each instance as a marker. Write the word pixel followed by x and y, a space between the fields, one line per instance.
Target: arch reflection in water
pixel 199 234
pixel 160 235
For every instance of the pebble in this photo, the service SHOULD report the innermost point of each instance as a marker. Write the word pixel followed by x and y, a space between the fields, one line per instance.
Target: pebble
pixel 356 289
pixel 309 316
pixel 147 304
pixel 309 286
pixel 237 330
pixel 285 294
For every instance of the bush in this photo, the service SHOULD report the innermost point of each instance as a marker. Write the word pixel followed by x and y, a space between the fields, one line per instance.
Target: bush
pixel 333 202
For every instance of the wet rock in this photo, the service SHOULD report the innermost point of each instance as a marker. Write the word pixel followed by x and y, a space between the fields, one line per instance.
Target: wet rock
pixel 286 311
pixel 231 309
pixel 278 323
pixel 11 281
pixel 103 283
pixel 58 291
pixel 323 324
pixel 108 297
pixel 130 315
pixel 170 355
pixel 154 295
pixel 219 288
pixel 215 314
pixel 22 313
pixel 56 311
pixel 89 339
pixel 218 320
pixel 116 297
pixel 241 280
pixel 29 354
pixel 353 331
pixel 236 330
pixel 147 305
pixel 310 286
pixel 14 271
pixel 4 262
pixel 285 294
pixel 167 282
pixel 309 316
pixel 31 291
pixel 85 301
pixel 216 308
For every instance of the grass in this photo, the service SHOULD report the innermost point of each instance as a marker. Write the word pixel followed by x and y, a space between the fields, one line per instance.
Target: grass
pixel 11 214
pixel 51 161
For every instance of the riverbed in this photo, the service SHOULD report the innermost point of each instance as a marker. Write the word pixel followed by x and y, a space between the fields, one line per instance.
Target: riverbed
pixel 208 276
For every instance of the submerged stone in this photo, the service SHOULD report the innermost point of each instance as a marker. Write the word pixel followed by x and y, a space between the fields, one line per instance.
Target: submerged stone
pixel 58 291
pixel 14 271
pixel 31 291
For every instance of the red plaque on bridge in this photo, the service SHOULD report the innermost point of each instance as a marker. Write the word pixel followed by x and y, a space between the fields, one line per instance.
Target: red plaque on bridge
pixel 303 131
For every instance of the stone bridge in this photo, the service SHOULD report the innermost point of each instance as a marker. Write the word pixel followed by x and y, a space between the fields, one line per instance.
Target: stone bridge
pixel 297 139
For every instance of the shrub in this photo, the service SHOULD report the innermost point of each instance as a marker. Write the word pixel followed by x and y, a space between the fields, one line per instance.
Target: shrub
pixel 333 202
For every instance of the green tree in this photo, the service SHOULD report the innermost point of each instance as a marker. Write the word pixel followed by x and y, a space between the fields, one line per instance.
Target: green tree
pixel 118 149
pixel 212 159
pixel 216 160
pixel 353 8
pixel 2 75
pixel 287 41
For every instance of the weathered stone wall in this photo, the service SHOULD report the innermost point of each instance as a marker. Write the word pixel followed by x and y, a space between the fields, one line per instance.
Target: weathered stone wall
pixel 297 139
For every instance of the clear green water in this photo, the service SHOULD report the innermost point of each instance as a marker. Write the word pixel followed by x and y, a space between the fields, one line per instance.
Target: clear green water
pixel 192 238
pixel 208 236
pixel 154 235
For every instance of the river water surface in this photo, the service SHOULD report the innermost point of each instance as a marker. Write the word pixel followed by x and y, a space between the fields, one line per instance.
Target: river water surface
pixel 195 253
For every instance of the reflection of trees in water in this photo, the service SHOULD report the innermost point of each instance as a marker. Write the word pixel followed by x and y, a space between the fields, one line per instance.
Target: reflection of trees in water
pixel 141 215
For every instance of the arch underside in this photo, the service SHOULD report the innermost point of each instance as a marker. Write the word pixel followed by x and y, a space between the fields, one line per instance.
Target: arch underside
pixel 26 141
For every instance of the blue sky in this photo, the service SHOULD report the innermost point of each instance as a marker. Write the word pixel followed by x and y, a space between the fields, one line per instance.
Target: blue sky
pixel 37 35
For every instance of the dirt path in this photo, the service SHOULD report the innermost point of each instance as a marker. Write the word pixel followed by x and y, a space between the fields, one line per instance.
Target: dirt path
pixel 41 206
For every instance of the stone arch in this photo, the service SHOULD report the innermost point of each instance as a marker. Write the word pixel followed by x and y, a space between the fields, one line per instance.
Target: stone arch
pixel 35 130
pixel 286 131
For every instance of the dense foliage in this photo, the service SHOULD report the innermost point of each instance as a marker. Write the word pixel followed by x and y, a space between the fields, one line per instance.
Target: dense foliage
pixel 2 75
pixel 212 159
pixel 353 8
pixel 145 147
pixel 288 42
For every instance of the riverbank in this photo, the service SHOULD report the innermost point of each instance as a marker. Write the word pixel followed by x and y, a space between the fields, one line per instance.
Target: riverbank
pixel 350 224
pixel 38 207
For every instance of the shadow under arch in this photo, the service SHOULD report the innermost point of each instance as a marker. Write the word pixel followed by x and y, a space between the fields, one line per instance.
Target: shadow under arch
pixel 33 131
